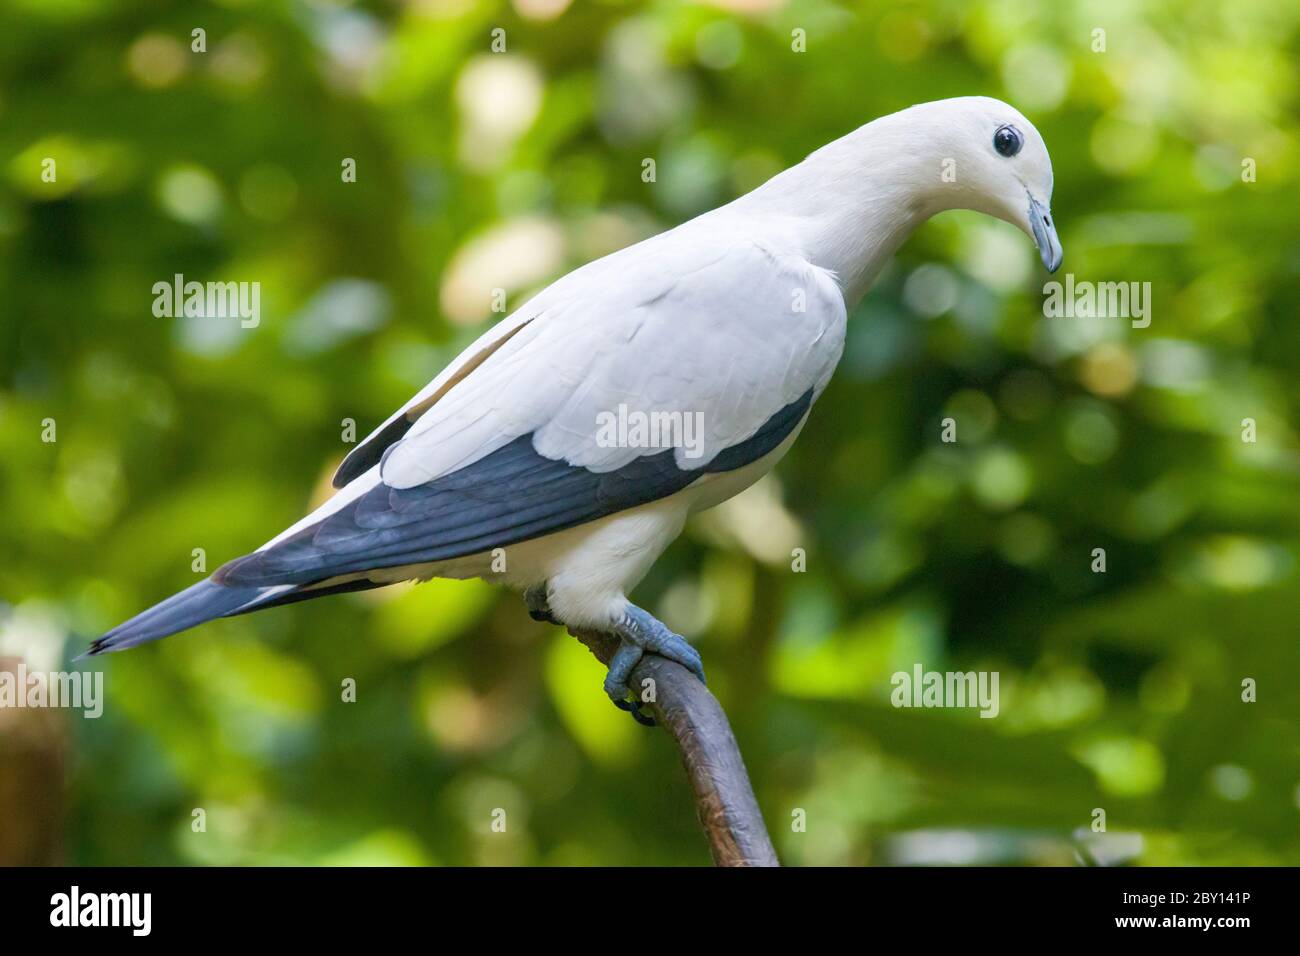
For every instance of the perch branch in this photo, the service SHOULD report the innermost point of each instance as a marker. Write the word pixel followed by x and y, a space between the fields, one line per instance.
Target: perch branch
pixel 724 798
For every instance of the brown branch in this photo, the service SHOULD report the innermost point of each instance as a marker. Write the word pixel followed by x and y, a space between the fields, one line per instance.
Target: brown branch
pixel 724 798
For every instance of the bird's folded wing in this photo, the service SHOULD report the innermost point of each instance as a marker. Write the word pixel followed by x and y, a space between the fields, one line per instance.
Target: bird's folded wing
pixel 725 341
pixel 368 452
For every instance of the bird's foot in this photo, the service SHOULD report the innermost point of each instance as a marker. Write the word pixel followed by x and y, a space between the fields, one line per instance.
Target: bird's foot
pixel 538 608
pixel 639 632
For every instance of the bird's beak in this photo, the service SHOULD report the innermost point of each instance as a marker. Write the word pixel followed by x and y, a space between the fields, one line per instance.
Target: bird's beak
pixel 1049 244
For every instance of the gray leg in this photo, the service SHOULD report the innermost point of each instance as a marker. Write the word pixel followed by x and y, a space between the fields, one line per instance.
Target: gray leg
pixel 639 633
pixel 642 633
pixel 640 627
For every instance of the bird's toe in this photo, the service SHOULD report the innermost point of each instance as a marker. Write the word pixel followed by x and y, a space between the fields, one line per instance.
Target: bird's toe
pixel 654 636
pixel 633 707
pixel 538 607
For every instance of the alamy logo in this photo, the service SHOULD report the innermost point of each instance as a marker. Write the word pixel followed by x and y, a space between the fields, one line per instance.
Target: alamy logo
pixel 81 689
pixel 658 429
pixel 75 908
pixel 208 300
pixel 923 688
pixel 1098 300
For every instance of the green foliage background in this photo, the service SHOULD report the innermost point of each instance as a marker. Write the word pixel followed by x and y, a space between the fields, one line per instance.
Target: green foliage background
pixel 1120 690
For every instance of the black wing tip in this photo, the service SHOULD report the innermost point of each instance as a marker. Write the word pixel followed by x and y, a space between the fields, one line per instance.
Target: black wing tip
pixel 353 466
pixel 368 454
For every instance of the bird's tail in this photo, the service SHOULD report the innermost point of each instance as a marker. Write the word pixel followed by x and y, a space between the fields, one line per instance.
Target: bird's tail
pixel 211 599
pixel 196 604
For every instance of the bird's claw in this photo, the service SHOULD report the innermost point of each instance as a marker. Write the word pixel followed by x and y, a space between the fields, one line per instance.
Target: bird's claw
pixel 625 658
pixel 538 608
pixel 650 634
pixel 633 707
pixel 641 633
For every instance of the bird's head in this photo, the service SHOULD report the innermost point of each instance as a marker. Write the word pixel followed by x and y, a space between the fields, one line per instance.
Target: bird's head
pixel 998 166
pixel 849 205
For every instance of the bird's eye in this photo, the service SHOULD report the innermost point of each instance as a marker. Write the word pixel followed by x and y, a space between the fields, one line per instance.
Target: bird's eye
pixel 1007 140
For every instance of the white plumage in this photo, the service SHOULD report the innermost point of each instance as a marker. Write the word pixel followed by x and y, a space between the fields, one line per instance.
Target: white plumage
pixel 697 319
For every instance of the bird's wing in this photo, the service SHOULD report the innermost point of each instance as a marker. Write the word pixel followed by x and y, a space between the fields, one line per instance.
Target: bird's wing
pixel 368 453
pixel 518 445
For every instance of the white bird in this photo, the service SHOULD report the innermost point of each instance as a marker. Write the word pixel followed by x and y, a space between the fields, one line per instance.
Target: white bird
pixel 563 450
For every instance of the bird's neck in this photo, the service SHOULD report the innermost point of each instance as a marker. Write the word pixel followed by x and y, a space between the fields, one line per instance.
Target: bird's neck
pixel 851 204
